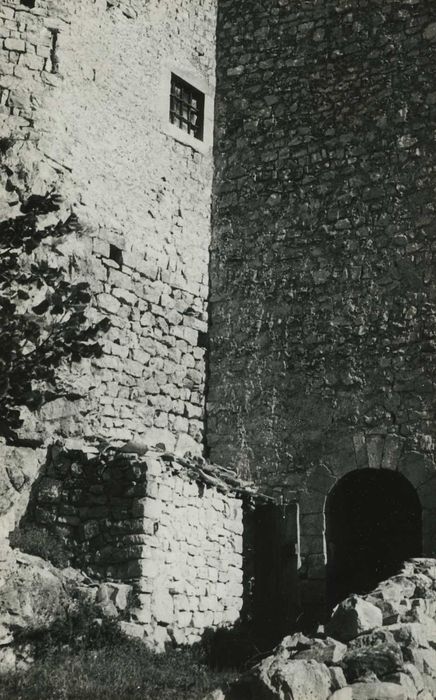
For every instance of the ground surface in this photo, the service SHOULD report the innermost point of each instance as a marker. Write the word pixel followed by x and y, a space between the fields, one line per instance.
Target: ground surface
pixel 114 672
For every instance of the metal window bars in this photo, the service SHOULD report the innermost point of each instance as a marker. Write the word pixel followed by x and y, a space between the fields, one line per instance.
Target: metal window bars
pixel 186 107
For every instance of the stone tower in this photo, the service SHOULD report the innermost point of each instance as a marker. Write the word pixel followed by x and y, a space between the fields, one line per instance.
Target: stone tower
pixel 109 104
pixel 322 314
pixel 85 91
pixel 317 204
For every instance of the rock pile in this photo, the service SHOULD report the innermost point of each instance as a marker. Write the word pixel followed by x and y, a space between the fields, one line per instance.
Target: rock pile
pixel 36 594
pixel 381 646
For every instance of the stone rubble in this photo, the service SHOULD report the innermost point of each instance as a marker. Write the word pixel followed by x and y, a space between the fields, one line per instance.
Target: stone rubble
pixel 37 594
pixel 34 595
pixel 389 654
pixel 352 617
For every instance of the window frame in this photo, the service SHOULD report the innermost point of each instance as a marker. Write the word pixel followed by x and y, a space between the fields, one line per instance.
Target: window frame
pixel 184 101
pixel 190 76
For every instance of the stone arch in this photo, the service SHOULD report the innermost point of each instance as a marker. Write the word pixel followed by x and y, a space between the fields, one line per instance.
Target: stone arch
pixel 359 451
pixel 373 524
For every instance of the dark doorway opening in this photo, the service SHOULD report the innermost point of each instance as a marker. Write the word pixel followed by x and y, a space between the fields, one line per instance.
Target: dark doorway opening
pixel 373 524
pixel 271 599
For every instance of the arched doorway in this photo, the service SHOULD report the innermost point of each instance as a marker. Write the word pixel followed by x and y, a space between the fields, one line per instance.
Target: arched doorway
pixel 373 524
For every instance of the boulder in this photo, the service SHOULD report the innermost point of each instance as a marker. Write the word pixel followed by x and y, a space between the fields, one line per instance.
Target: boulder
pixel 378 690
pixel 338 677
pixel 429 685
pixel 423 585
pixel 215 695
pixel 302 680
pixel 424 660
pixel 275 678
pixel 345 693
pixel 405 586
pixel 36 593
pixel 292 644
pixel 18 470
pixel 326 651
pixel 8 660
pixel 392 590
pixel 415 675
pixel 117 594
pixel 392 610
pixel 352 617
pixel 421 606
pixel 406 682
pixel 414 634
pixel 33 596
pixel 424 566
pixel 131 629
pixel 376 652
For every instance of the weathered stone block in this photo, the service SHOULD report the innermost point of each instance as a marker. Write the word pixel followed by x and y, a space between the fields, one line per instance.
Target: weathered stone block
pixel 13 44
pixel 374 446
pixel 391 452
pixel 430 32
pixel 352 617
pixel 378 689
pixel 132 629
pixel 162 604
pixel 147 508
pixel 376 652
pixel 108 303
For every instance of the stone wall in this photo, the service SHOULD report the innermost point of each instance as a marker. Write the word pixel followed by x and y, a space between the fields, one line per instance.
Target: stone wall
pixel 155 522
pixel 322 271
pixel 83 90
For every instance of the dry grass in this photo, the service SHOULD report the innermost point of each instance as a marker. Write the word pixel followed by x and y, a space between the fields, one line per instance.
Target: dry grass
pixel 79 658
pixel 114 672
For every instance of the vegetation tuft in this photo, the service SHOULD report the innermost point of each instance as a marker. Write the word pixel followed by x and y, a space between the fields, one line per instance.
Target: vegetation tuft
pixel 41 543
pixel 81 658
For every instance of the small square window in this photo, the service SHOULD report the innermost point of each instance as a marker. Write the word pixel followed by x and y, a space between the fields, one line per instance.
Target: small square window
pixel 187 107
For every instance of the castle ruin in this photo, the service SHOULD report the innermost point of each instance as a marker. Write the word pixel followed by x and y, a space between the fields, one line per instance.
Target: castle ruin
pixel 256 187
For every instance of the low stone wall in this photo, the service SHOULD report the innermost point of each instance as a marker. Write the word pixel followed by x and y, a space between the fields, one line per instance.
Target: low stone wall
pixel 169 527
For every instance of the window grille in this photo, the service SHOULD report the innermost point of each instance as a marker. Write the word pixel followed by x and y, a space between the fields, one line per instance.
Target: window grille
pixel 186 107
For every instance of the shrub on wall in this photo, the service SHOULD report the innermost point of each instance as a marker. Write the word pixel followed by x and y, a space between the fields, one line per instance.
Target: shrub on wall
pixel 41 543
pixel 42 314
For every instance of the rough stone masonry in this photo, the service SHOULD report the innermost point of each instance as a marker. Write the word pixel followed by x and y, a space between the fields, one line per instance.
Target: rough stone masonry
pixel 168 530
pixel 84 88
pixel 322 315
pixel 322 264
